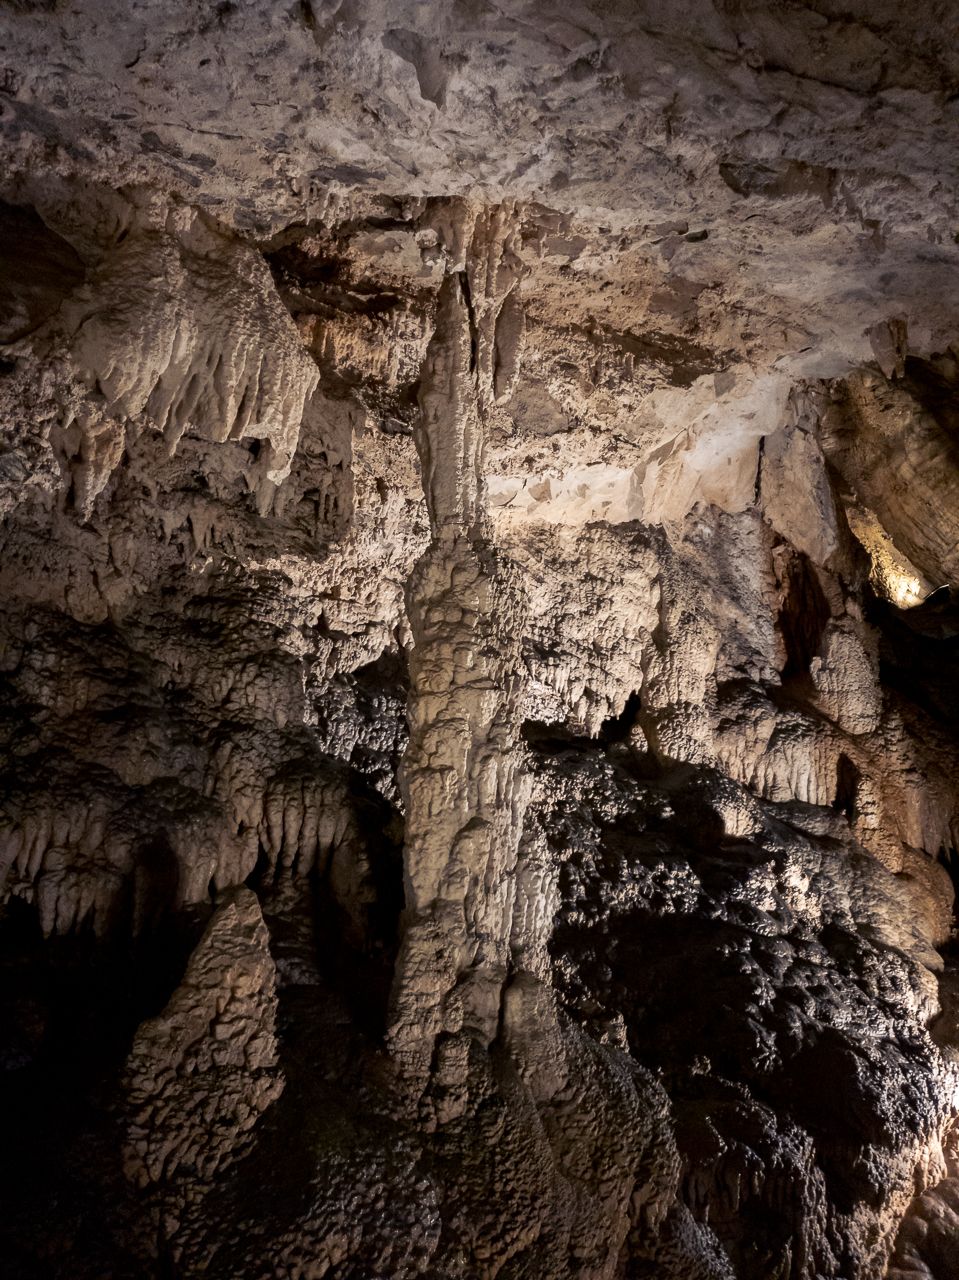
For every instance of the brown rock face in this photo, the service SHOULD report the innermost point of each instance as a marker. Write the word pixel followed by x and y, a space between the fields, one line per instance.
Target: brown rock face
pixel 199 1074
pixel 478 540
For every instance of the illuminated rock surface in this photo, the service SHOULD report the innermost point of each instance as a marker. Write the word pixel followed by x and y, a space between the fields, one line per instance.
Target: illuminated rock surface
pixel 479 522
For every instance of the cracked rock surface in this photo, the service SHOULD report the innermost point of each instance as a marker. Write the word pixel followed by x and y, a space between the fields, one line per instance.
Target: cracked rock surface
pixel 478 537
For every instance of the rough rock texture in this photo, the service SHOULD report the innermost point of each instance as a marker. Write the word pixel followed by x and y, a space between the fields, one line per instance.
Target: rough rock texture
pixel 199 1073
pixel 478 532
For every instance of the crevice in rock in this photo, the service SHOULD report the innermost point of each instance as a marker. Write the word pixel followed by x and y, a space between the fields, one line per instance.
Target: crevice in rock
pixel 803 615
pixel 848 779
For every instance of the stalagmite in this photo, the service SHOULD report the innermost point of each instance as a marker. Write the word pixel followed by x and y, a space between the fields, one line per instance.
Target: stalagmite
pixel 462 774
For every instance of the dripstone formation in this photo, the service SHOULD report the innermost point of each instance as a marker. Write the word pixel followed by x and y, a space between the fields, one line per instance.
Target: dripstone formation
pixel 479 777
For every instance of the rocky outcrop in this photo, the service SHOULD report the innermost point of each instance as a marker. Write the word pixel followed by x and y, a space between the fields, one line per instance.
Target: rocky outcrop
pixel 202 1071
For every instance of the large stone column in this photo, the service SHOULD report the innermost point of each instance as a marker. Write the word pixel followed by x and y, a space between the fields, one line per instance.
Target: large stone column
pixel 462 774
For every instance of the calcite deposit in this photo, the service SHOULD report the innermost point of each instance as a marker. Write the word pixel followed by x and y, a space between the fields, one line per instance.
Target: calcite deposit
pixel 478 536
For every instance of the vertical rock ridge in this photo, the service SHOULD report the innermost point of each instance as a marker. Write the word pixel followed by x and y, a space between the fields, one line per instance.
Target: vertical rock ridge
pixel 462 774
pixel 201 1073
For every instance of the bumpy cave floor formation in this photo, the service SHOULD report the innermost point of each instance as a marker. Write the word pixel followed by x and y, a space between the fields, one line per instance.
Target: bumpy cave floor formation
pixel 479 540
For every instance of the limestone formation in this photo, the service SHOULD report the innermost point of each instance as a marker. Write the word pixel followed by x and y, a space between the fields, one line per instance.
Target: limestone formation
pixel 478 529
pixel 201 1072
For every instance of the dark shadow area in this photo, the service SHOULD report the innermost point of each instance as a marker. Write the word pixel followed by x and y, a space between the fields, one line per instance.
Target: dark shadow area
pixel 802 616
pixel 747 1072
pixel 358 937
pixel 919 652
pixel 38 269
pixel 949 858
pixel 69 1007
pixel 342 917
pixel 934 383
pixel 847 788
pixel 550 737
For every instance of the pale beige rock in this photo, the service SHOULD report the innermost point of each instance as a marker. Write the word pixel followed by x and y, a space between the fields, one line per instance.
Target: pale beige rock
pixel 461 772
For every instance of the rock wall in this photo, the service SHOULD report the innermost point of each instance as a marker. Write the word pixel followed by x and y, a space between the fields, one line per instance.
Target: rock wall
pixel 478 727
